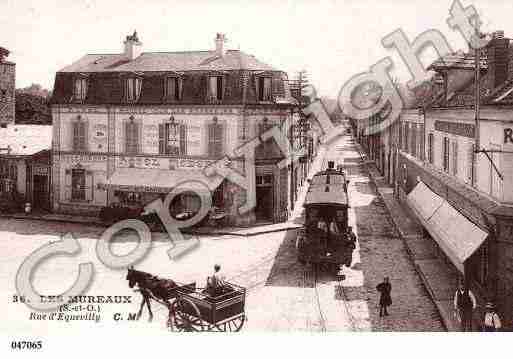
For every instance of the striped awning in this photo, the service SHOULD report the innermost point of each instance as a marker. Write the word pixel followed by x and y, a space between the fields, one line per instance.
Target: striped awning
pixel 458 237
pixel 161 181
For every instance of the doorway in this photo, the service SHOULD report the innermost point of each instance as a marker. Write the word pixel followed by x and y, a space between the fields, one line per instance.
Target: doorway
pixel 41 194
pixel 264 198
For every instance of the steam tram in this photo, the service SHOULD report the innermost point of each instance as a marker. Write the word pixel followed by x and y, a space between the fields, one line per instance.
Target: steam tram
pixel 324 241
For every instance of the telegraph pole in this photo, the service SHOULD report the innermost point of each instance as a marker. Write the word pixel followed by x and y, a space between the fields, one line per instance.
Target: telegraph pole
pixel 477 90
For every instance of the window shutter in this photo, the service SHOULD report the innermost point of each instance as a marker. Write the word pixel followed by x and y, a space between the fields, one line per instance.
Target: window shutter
pixel 89 186
pixel 179 84
pixel 76 136
pixel 218 139
pixel 67 185
pixel 85 137
pixel 183 139
pixel 220 88
pixel 455 158
pixel 211 139
pixel 127 137
pixel 162 138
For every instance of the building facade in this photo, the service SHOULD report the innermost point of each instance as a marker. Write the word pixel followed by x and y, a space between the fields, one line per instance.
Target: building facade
pixel 462 192
pixel 128 127
pixel 7 89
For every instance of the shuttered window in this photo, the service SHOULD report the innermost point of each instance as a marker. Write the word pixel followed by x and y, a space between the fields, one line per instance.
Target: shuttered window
pixel 215 88
pixel 131 137
pixel 78 184
pixel 215 139
pixel 173 88
pixel 80 90
pixel 173 139
pixel 264 89
pixel 454 165
pixel 445 154
pixel 431 148
pixel 133 86
pixel 80 135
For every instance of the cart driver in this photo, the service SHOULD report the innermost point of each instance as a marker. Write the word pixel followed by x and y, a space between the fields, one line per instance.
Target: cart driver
pixel 215 282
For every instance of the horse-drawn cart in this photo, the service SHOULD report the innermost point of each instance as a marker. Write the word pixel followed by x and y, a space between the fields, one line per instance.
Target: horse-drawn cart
pixel 194 310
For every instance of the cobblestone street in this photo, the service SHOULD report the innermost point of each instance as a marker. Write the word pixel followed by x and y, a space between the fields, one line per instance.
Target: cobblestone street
pixel 282 294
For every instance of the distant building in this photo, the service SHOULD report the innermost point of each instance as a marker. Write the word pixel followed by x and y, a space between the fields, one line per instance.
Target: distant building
pixel 463 198
pixel 128 127
pixel 7 89
pixel 25 163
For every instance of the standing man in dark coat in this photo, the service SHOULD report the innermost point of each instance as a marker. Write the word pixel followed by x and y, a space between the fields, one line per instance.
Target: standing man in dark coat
pixel 385 299
pixel 464 304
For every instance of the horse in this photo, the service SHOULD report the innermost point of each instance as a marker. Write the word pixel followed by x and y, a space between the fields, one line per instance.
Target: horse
pixel 151 286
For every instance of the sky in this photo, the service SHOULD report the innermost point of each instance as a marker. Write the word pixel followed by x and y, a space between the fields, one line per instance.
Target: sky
pixel 332 40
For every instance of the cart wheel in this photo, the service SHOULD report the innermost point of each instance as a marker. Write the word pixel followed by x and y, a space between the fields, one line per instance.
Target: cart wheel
pixel 184 316
pixel 233 325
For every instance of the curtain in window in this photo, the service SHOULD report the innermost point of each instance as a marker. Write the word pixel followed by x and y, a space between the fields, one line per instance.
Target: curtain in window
pixel 79 136
pixel 215 139
pixel 80 89
pixel 454 158
pixel 172 88
pixel 131 137
pixel 213 87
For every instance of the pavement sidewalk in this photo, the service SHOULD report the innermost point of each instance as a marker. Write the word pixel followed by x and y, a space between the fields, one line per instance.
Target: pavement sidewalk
pixel 439 279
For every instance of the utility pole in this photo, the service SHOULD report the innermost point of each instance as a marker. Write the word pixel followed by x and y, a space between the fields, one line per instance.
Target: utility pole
pixel 477 90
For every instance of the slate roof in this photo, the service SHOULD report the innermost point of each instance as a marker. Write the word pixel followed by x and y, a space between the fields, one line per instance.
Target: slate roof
pixel 168 61
pixel 25 140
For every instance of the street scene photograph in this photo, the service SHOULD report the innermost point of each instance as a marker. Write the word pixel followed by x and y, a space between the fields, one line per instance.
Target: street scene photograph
pixel 255 167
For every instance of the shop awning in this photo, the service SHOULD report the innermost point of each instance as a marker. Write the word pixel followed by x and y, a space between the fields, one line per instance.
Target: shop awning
pixel 161 181
pixel 458 237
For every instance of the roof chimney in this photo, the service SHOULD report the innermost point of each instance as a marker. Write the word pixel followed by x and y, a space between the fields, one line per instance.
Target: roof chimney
pixel 3 53
pixel 133 47
pixel 498 58
pixel 220 41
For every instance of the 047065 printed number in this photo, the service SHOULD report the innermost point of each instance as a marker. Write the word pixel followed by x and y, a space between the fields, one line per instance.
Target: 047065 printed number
pixel 26 345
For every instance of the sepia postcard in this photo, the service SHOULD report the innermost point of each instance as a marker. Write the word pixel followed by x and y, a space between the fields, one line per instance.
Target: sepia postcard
pixel 254 167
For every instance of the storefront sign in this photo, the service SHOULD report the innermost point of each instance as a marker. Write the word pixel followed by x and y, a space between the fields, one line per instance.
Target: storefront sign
pixel 459 129
pixel 142 162
pixel 40 171
pixel 191 163
pixel 84 158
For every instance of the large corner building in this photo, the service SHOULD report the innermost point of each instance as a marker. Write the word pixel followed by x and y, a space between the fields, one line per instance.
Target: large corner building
pixel 129 126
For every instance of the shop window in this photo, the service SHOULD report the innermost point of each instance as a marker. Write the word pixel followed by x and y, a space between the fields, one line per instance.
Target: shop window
pixel 131 137
pixel 78 184
pixel 80 89
pixel 445 154
pixel 215 88
pixel 215 138
pixel 79 135
pixel 133 86
pixel 264 88
pixel 173 138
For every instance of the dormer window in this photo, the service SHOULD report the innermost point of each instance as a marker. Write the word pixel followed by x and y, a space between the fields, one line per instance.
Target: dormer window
pixel 133 87
pixel 173 88
pixel 264 89
pixel 215 88
pixel 80 89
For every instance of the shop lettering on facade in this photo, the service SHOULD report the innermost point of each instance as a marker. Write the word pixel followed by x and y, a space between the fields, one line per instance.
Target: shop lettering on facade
pixel 84 158
pixel 141 162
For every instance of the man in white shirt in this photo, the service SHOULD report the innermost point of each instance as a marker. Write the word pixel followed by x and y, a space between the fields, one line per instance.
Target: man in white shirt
pixel 492 322
pixel 464 304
